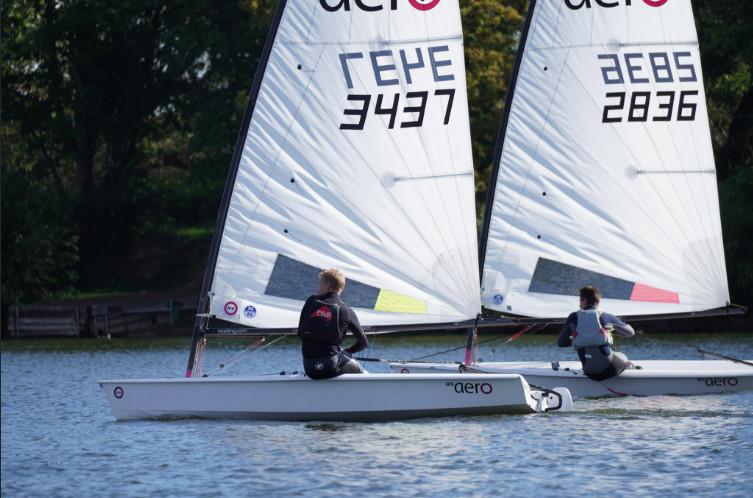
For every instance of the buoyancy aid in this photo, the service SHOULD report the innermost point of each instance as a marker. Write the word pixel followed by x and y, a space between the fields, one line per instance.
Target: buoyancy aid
pixel 589 332
pixel 321 323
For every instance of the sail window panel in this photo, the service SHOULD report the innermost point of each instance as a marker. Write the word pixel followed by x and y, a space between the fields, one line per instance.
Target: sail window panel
pixel 553 277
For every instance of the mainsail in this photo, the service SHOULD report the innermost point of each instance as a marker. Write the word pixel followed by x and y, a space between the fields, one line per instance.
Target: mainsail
pixel 355 153
pixel 604 172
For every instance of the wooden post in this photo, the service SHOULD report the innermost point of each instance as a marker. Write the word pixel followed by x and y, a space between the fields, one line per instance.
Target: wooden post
pixel 173 312
pixel 16 321
pixel 77 320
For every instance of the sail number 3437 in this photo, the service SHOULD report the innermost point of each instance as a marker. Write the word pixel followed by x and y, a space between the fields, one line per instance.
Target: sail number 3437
pixel 408 68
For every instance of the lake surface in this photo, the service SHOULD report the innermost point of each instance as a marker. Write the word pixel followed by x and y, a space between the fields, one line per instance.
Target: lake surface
pixel 60 439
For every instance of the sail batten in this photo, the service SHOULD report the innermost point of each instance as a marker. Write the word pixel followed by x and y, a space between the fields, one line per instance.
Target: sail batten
pixel 603 170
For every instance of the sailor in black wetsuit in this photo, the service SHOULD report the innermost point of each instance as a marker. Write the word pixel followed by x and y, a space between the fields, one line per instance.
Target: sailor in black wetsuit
pixel 325 319
pixel 589 331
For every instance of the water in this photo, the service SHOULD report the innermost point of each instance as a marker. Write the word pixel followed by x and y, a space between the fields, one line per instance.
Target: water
pixel 59 438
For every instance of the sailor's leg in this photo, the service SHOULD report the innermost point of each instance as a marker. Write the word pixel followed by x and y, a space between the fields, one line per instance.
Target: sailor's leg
pixel 322 368
pixel 349 366
pixel 599 363
pixel 620 362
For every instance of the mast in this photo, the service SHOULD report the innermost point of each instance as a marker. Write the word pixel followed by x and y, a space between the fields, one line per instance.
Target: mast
pixel 202 308
pixel 492 187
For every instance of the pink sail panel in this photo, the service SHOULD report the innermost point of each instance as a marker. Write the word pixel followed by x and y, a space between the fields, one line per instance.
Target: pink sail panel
pixel 648 294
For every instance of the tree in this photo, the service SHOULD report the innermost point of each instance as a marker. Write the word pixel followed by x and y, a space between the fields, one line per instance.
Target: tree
pixel 727 55
pixel 96 88
pixel 491 34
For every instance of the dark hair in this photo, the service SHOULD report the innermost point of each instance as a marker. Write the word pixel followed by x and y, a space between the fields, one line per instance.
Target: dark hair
pixel 591 295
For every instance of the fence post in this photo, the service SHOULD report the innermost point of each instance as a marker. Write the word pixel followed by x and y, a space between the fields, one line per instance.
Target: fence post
pixel 77 320
pixel 15 322
pixel 173 311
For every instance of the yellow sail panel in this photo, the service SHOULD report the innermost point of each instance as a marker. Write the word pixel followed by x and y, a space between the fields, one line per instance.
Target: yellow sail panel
pixel 394 302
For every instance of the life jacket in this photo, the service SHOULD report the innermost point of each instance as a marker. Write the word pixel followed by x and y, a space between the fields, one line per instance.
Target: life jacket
pixel 321 323
pixel 589 331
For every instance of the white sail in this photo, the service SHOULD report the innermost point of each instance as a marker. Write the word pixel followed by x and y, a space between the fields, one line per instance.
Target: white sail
pixel 357 156
pixel 606 175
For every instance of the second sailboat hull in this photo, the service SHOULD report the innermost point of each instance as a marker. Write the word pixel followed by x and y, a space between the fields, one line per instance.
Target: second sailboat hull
pixel 655 377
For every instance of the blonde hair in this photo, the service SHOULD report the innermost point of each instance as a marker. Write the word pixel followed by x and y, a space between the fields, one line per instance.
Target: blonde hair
pixel 334 278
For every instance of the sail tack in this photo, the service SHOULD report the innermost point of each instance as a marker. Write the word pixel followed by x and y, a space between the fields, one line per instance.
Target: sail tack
pixel 606 173
pixel 357 156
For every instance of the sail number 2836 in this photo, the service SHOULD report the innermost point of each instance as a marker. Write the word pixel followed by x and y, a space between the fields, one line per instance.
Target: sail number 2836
pixel 652 78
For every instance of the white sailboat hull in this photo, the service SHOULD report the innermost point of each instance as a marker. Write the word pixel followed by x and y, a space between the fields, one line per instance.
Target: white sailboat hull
pixel 656 377
pixel 348 397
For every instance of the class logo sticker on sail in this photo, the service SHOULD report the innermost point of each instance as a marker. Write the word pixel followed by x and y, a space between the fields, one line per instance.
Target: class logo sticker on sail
pixel 579 4
pixel 424 4
pixel 231 308
pixel 249 311
pixel 655 3
pixel 374 5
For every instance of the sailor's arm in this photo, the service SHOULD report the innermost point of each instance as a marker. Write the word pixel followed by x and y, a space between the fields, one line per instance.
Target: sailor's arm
pixel 564 340
pixel 355 328
pixel 300 318
pixel 617 326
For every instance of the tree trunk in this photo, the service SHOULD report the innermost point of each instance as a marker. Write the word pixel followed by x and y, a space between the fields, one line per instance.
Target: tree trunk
pixel 738 147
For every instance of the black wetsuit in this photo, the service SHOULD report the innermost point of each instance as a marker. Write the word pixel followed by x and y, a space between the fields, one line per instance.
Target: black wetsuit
pixel 324 322
pixel 599 362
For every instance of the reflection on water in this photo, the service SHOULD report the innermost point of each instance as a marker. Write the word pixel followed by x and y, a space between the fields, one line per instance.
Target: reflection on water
pixel 59 439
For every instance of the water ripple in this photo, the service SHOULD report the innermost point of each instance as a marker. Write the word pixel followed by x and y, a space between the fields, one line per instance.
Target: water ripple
pixel 59 439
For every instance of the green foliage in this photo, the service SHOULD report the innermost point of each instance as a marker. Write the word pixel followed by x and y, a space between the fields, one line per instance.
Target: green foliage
pixel 724 31
pixel 491 35
pixel 39 247
pixel 127 112
pixel 736 200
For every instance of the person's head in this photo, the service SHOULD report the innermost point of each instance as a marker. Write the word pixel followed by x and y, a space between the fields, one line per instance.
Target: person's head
pixel 589 296
pixel 331 280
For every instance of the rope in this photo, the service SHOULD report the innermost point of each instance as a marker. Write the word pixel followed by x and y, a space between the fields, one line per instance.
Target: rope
pixel 253 347
pixel 724 357
pixel 507 340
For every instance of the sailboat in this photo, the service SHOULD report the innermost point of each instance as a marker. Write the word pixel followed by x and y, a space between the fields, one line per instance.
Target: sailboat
pixel 604 175
pixel 354 153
